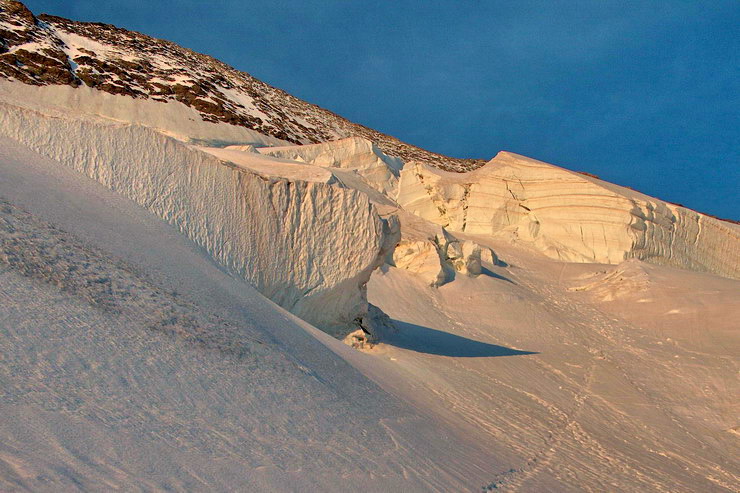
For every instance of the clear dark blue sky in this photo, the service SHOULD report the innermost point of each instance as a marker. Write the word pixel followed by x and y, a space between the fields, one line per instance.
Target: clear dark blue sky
pixel 642 93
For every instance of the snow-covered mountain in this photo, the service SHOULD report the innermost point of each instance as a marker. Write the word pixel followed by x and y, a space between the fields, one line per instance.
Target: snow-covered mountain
pixel 173 232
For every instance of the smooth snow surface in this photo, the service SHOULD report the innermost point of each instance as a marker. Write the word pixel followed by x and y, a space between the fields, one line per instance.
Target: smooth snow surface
pixel 632 385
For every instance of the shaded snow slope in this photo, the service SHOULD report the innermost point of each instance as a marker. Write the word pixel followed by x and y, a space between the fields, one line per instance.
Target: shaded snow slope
pixel 310 246
pixel 131 361
pixel 569 216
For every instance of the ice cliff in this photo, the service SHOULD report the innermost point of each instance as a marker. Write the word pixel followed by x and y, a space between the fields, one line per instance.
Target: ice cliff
pixel 208 148
pixel 568 215
pixel 310 245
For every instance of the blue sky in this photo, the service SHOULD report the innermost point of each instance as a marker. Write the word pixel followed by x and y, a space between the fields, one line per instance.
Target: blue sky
pixel 643 93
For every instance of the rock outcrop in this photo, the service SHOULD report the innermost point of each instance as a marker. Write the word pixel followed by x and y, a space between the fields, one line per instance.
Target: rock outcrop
pixel 49 50
pixel 374 327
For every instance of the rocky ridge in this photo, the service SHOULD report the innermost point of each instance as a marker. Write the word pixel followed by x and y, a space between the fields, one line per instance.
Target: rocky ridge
pixel 49 50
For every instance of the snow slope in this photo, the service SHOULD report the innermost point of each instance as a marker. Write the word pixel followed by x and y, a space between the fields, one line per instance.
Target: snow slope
pixel 542 338
pixel 634 391
pixel 132 361
pixel 531 384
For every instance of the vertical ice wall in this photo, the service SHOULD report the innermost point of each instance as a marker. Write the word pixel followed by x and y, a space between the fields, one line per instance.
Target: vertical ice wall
pixel 308 246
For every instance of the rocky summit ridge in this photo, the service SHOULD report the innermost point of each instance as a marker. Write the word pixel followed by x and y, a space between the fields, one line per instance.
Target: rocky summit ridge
pixel 50 50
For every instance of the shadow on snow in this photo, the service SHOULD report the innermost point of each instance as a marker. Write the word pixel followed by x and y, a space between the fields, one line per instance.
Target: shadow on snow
pixel 431 341
pixel 490 273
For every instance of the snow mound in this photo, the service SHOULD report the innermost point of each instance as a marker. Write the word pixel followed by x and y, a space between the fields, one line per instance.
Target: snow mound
pixel 42 252
pixel 569 216
pixel 434 255
pixel 422 257
pixel 270 231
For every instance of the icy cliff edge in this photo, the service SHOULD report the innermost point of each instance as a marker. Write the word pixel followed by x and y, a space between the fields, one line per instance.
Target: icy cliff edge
pixel 308 246
pixel 569 216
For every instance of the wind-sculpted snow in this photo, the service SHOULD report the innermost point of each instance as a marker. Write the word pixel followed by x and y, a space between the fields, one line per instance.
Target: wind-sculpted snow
pixel 379 170
pixel 436 260
pixel 308 246
pixel 569 216
pixel 435 255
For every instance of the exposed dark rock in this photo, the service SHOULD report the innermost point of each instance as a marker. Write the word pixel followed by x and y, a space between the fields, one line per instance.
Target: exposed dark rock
pixel 140 66
pixel 17 12
pixel 40 68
